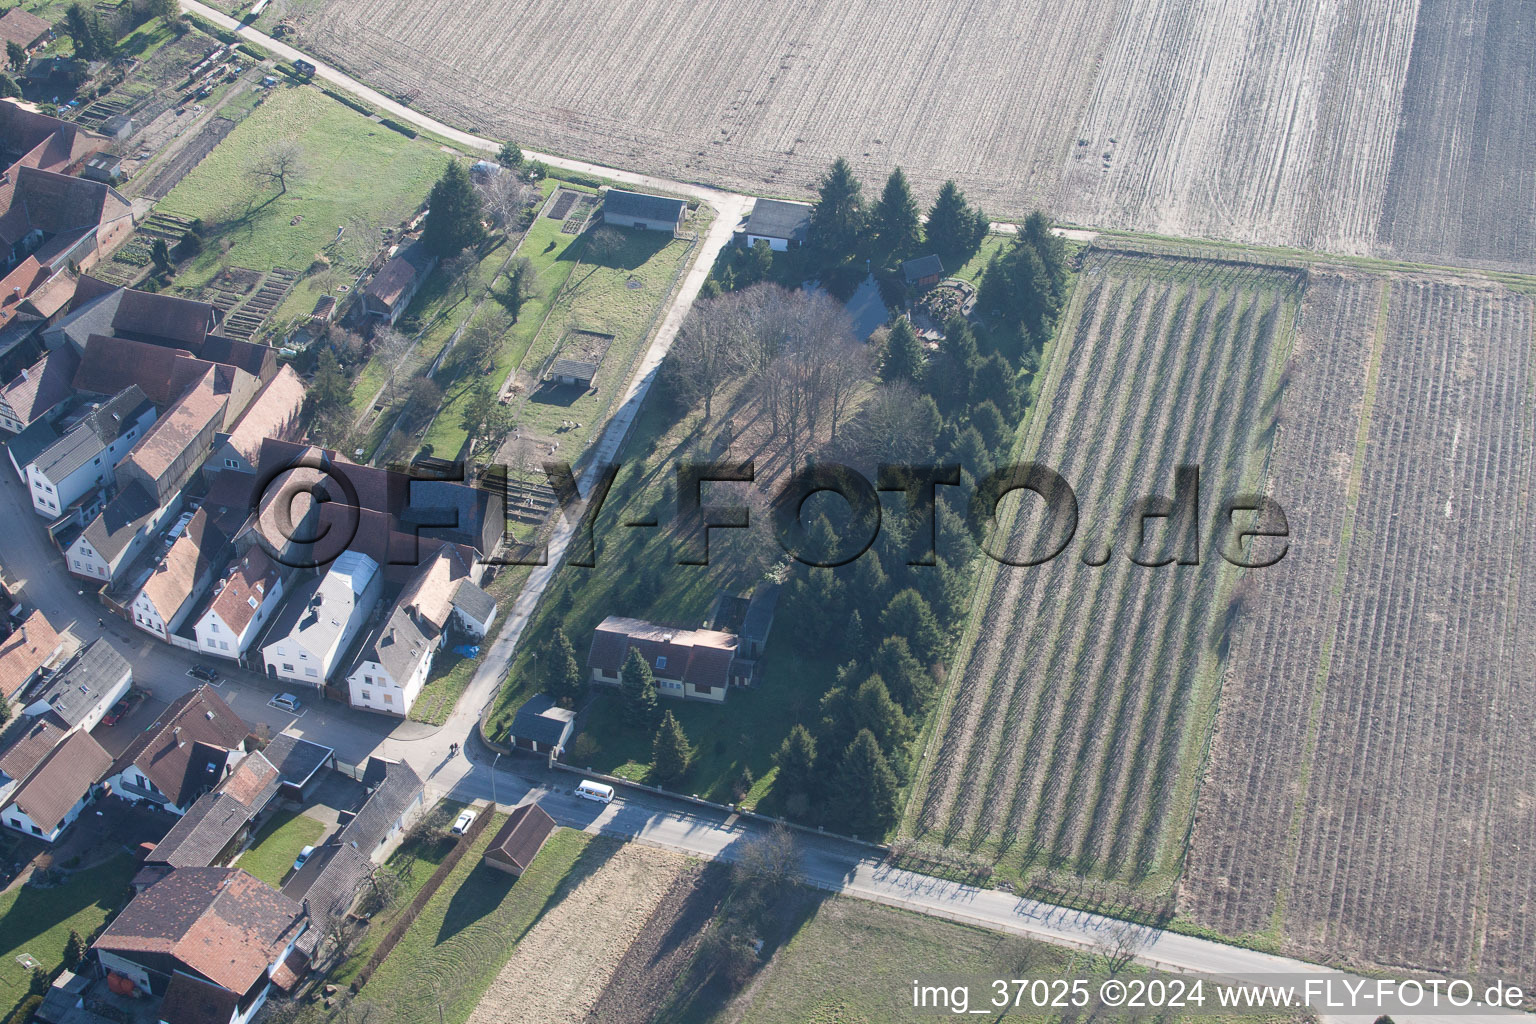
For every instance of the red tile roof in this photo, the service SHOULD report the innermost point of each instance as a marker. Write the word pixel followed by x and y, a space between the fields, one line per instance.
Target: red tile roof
pixel 174 579
pixel 25 651
pixel 164 752
pixel 701 657
pixel 63 777
pixel 251 578
pixel 23 756
pixel 42 385
pixel 223 923
pixel 274 413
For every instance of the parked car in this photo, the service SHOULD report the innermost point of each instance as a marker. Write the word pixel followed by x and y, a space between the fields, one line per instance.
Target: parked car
pixel 204 673
pixel 123 708
pixel 303 857
pixel 462 822
pixel 286 700
pixel 599 791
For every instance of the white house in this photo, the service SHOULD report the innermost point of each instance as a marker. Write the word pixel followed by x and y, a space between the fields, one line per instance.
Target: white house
pixel 171 591
pixel 779 223
pixel 111 541
pixel 86 452
pixel 78 696
pixel 396 658
pixel 316 627
pixel 52 796
pixel 242 602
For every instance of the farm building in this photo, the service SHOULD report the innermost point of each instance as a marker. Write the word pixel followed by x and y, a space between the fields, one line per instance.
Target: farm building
pixel 104 167
pixel 923 272
pixel 24 28
pixel 520 839
pixel 390 292
pixel 779 223
pixel 541 727
pixel 640 210
pixel 572 373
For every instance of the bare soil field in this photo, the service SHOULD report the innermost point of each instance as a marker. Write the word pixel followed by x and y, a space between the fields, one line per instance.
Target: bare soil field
pixel 562 965
pixel 1390 127
pixel 1083 697
pixel 1369 796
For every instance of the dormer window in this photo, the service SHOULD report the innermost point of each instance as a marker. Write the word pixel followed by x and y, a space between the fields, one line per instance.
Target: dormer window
pixel 661 662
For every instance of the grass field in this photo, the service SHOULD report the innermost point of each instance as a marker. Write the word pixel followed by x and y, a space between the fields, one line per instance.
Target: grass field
pixel 355 174
pixel 270 857
pixel 449 678
pixel 37 922
pixel 457 946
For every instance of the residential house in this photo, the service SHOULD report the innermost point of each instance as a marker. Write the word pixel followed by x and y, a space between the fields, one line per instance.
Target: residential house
pixel 87 451
pixel 390 292
pixel 642 210
pixel 79 694
pixel 701 664
pixel 208 940
pixel 330 880
pixel 217 823
pixel 393 663
pixel 186 752
pixel 780 223
pixel 31 646
pixel 177 580
pixel 520 839
pixel 243 600
pixel 26 742
pixel 52 796
pixel 25 29
pixel 542 726
pixel 37 390
pixel 274 413
pixel 112 539
pixel 317 626
pixel 923 272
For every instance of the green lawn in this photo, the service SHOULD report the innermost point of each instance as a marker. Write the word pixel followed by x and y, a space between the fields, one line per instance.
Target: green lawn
pixel 354 173
pixel 853 962
pixel 459 943
pixel 38 921
pixel 450 676
pixel 270 858
pixel 414 862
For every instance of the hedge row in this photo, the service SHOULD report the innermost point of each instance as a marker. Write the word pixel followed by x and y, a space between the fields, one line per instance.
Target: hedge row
pixel 355 104
pixel 403 129
pixel 406 919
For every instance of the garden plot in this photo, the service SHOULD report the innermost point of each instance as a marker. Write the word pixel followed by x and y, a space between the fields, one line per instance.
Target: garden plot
pixel 1070 736
pixel 1368 797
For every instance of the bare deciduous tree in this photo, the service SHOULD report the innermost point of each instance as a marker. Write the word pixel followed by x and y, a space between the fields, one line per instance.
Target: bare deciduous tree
pixel 1119 944
pixel 506 197
pixel 279 164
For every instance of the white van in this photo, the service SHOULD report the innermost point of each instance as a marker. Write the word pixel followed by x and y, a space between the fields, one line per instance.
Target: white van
pixel 599 791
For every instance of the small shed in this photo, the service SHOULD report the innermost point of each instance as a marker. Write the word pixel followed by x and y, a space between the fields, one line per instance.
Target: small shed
pixel 520 839
pixel 572 372
pixel 642 210
pixel 103 167
pixel 923 272
pixel 541 726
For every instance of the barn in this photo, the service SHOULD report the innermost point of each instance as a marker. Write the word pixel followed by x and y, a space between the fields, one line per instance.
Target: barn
pixel 572 372
pixel 641 210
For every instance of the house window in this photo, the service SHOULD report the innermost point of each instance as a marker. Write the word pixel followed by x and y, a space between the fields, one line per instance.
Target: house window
pixel 368 679
pixel 210 641
pixel 310 672
pixel 389 698
pixel 231 463
pixel 223 646
pixel 36 831
pixel 287 667
pixel 661 662
pixel 15 823
pixel 77 563
pixel 367 695
pixel 213 627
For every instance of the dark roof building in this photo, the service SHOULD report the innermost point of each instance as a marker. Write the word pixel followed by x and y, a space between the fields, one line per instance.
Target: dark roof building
pixel 38 389
pixel 779 223
pixel 520 839
pixel 923 271
pixel 572 371
pixel 206 833
pixel 642 210
pixel 24 28
pixel 299 762
pixel 696 663
pixel 541 726
pixel 82 690
pixel 185 752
